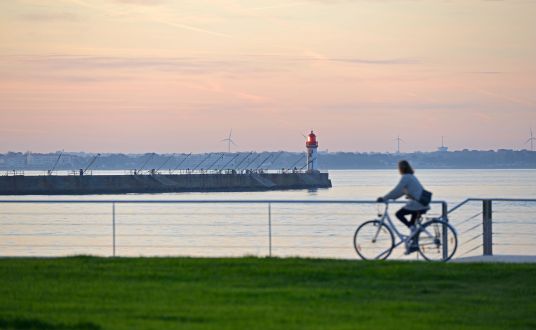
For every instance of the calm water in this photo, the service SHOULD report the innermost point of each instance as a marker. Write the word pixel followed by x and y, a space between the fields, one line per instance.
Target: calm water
pixel 305 230
pixel 450 185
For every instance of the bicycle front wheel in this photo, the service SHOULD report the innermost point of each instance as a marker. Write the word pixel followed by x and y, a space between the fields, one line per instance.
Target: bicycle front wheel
pixel 437 241
pixel 373 240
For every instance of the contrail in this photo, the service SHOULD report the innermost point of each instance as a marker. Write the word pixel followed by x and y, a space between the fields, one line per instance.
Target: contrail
pixel 506 97
pixel 192 28
pixel 173 24
pixel 282 5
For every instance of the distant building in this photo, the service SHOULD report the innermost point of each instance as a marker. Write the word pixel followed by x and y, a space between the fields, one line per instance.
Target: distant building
pixel 17 161
pixel 442 148
pixel 47 160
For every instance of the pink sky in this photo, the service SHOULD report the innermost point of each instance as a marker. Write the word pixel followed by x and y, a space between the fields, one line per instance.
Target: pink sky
pixel 176 76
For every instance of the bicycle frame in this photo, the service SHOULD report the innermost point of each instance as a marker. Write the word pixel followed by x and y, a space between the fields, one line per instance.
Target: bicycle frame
pixel 386 220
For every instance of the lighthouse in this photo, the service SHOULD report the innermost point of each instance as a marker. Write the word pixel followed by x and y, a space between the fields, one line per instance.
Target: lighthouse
pixel 312 153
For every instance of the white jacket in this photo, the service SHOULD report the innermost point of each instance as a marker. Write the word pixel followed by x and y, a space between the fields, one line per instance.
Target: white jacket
pixel 410 187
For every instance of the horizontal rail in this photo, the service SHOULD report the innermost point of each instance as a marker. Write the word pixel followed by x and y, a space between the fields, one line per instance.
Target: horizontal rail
pixel 488 222
pixel 289 229
pixel 295 232
pixel 468 200
pixel 202 201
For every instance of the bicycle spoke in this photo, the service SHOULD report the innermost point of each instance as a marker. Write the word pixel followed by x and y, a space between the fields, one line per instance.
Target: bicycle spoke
pixel 373 240
pixel 377 232
pixel 431 247
pixel 425 244
pixel 379 256
pixel 428 233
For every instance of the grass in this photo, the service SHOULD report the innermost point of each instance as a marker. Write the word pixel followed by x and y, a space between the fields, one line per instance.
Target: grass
pixel 87 293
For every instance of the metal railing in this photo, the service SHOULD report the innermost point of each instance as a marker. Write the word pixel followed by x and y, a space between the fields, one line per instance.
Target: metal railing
pixel 508 224
pixel 312 228
pixel 13 173
pixel 225 171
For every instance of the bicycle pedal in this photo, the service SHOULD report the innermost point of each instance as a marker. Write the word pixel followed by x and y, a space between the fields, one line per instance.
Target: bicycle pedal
pixel 411 250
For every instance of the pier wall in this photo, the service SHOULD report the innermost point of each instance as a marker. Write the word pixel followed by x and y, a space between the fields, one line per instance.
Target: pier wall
pixel 120 184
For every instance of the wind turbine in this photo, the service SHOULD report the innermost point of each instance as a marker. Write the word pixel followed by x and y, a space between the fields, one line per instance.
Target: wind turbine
pixel 398 140
pixel 229 140
pixel 531 140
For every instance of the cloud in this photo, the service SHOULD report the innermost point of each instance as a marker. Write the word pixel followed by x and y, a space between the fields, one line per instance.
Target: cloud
pixel 175 24
pixel 485 72
pixel 334 2
pixel 357 107
pixel 393 61
pixel 277 6
pixel 310 55
pixel 50 17
pixel 238 64
pixel 94 69
pixel 512 99
pixel 186 65
pixel 141 2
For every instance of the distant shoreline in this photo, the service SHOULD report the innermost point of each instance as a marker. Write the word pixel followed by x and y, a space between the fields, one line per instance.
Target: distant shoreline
pixel 430 168
pixel 274 160
pixel 125 171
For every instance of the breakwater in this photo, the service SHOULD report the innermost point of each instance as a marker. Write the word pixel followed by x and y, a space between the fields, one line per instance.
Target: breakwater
pixel 159 183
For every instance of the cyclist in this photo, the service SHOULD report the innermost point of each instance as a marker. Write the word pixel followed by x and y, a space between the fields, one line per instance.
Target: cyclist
pixel 419 199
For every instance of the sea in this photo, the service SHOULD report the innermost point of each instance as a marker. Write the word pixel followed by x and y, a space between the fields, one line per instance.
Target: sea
pixel 283 230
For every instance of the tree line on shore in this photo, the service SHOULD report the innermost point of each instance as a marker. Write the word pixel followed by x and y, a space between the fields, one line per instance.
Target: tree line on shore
pixel 265 160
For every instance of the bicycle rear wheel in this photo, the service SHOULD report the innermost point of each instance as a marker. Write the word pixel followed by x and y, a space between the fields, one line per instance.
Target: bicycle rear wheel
pixel 437 241
pixel 373 240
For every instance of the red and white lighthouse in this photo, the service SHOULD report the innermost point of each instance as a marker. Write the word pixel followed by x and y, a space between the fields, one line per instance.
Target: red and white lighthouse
pixel 312 153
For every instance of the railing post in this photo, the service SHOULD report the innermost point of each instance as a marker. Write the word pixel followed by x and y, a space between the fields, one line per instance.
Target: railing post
pixel 444 238
pixel 113 227
pixel 269 229
pixel 487 219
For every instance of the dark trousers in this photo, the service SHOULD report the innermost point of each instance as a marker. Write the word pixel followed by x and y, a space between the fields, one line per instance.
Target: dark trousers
pixel 403 212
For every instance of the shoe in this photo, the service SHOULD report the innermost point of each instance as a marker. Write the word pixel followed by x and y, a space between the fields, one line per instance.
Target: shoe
pixel 410 245
pixel 413 244
pixel 412 248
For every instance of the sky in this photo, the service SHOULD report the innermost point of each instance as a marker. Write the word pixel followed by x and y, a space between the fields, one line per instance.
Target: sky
pixel 178 75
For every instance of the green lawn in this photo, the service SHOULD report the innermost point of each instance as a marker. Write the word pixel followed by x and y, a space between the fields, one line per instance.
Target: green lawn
pixel 249 293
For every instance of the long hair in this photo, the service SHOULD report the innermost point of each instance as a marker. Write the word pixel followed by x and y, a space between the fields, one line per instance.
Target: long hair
pixel 405 167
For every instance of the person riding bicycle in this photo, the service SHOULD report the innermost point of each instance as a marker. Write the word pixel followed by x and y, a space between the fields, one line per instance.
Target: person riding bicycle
pixel 419 199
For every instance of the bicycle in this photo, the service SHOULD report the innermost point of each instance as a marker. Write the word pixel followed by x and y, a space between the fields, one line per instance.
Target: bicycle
pixel 375 239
